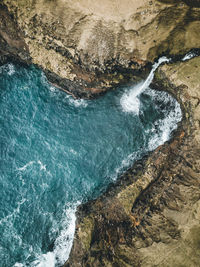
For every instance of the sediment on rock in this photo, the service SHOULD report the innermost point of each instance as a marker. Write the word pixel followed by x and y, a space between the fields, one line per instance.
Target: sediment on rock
pixel 99 45
pixel 12 44
pixel 151 216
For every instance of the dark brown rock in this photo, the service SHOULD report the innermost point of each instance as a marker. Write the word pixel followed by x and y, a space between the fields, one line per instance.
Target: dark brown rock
pixel 12 44
pixel 151 218
pixel 99 45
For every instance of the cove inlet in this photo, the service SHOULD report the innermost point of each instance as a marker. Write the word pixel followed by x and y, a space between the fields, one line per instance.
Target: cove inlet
pixel 57 152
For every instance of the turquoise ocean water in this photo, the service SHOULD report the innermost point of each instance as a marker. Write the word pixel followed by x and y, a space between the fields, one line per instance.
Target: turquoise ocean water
pixel 57 152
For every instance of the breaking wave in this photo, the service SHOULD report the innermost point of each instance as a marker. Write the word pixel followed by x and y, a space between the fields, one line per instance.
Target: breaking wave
pixel 130 99
pixel 58 152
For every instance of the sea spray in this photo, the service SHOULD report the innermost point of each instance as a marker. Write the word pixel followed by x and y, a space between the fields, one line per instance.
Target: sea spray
pixel 57 152
pixel 62 244
pixel 130 99
pixel 190 55
pixel 162 128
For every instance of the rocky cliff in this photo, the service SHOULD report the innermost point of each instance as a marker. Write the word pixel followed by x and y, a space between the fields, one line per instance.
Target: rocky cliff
pixel 89 46
pixel 150 217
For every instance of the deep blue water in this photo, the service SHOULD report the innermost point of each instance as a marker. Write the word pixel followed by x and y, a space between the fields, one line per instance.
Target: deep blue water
pixel 57 152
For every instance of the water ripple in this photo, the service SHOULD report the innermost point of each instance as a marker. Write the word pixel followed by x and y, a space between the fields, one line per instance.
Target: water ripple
pixel 57 152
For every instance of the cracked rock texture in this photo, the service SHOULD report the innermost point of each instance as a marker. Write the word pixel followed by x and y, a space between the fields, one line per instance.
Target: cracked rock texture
pixel 99 44
pixel 12 44
pixel 151 216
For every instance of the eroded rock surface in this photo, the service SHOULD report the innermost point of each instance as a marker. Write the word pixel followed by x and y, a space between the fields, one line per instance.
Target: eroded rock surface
pixel 99 44
pixel 151 217
pixel 12 44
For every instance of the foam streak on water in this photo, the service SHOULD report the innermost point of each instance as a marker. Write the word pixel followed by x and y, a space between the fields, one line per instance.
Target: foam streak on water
pixel 57 152
pixel 188 56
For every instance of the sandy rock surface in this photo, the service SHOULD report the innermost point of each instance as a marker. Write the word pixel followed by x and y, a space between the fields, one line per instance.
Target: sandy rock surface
pixel 91 42
pixel 151 216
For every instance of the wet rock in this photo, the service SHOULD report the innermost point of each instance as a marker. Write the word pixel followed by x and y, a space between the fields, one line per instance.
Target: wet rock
pixel 99 45
pixel 152 220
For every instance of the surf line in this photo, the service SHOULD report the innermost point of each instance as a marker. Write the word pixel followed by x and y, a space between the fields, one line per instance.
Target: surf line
pixel 130 99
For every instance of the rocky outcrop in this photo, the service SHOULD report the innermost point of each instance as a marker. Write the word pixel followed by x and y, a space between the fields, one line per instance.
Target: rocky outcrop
pixel 87 47
pixel 151 216
pixel 12 44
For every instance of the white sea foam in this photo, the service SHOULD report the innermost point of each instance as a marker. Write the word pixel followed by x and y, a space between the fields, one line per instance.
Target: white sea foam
pixel 42 166
pixel 13 213
pixel 30 163
pixel 63 243
pixel 44 78
pixel 162 128
pixel 9 68
pixel 78 102
pixel 188 56
pixel 73 151
pixel 129 100
pixel 17 264
pixel 25 88
pixel 165 128
pixel 52 89
pixel 45 260
pixel 125 164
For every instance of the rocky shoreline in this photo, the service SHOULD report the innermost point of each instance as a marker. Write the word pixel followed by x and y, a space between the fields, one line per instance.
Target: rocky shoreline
pixel 87 48
pixel 150 217
pixel 154 209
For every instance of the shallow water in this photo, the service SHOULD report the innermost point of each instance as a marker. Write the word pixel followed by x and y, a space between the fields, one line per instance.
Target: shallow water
pixel 57 152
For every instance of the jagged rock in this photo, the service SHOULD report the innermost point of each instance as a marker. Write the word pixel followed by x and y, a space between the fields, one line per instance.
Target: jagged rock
pixel 151 218
pixel 12 44
pixel 99 44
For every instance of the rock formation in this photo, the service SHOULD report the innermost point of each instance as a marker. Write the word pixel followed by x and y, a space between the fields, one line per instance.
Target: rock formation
pixel 150 217
pixel 89 46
